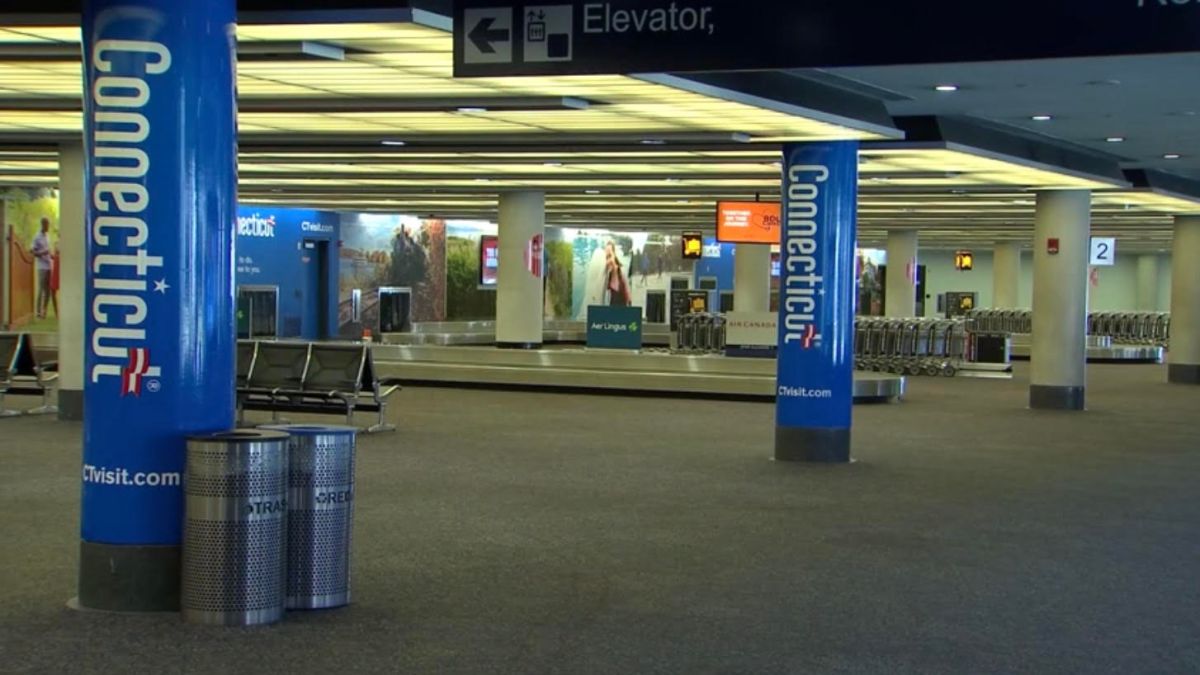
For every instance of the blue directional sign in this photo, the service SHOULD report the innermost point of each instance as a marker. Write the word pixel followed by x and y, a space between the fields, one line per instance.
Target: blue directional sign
pixel 571 37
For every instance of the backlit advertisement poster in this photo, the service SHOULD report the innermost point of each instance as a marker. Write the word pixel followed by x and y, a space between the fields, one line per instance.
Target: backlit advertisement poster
pixel 870 282
pixel 533 255
pixel 30 266
pixel 390 250
pixel 489 260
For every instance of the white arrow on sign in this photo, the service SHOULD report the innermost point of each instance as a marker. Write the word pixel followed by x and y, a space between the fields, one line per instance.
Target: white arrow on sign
pixel 489 35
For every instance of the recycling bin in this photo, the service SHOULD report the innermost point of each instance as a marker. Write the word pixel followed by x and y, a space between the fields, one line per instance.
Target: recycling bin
pixel 320 514
pixel 235 528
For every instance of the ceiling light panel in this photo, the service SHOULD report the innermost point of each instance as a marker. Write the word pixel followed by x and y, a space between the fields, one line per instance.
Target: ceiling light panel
pixel 393 59
pixel 398 60
pixel 40 34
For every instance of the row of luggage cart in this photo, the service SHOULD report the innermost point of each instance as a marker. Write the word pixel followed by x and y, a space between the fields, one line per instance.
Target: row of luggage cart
pixel 700 333
pixel 1010 321
pixel 910 346
pixel 1130 328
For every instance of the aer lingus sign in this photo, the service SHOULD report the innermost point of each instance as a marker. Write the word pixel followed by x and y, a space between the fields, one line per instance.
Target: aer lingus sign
pixel 614 327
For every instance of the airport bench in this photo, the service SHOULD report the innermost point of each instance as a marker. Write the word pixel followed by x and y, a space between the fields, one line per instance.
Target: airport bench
pixel 311 378
pixel 21 374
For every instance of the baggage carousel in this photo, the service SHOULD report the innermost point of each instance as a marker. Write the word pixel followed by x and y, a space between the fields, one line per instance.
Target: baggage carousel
pixel 583 369
pixel 483 333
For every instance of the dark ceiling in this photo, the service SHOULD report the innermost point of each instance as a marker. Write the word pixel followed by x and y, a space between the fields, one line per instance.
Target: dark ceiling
pixel 1152 102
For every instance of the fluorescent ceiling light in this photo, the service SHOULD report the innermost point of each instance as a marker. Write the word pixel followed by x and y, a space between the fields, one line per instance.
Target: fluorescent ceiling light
pixel 472 109
pixel 946 87
pixel 1041 118
pixel 653 141
pixel 393 142
pixel 1115 139
pixel 1172 155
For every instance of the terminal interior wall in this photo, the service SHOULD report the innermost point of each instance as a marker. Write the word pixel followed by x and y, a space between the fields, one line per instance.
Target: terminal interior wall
pixel 1114 289
pixel 440 261
pixel 270 251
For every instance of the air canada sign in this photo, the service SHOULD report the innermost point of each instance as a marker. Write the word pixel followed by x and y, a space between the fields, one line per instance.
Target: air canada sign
pixel 752 329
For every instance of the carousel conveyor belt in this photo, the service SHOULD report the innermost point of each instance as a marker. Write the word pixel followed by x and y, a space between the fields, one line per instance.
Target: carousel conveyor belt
pixel 583 369
pixel 483 333
pixel 1099 350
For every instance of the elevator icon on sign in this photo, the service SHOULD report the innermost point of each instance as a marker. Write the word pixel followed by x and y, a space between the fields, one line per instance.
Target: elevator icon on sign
pixel 548 33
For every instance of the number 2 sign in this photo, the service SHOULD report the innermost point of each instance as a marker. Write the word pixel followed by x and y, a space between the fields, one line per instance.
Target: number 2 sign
pixel 1104 251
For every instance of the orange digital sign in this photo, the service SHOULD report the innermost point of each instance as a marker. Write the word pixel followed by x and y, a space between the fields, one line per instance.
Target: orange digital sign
pixel 748 222
pixel 693 245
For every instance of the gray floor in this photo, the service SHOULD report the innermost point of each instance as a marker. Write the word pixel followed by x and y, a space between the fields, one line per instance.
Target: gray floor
pixel 538 533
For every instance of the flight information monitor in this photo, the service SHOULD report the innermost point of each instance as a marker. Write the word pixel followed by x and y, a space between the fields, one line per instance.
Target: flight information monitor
pixel 748 222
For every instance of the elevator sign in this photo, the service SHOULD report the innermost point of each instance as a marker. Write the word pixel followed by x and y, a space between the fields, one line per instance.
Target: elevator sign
pixel 576 37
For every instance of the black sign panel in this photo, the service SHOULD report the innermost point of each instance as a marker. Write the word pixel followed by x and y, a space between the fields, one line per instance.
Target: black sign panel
pixel 544 37
pixel 686 302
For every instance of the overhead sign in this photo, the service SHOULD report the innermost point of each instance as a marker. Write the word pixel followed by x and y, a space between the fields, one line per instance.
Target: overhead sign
pixel 1104 252
pixel 686 302
pixel 748 222
pixel 572 37
pixel 614 327
pixel 693 245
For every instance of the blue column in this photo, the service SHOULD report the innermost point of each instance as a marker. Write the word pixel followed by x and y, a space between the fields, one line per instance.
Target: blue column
pixel 816 302
pixel 161 150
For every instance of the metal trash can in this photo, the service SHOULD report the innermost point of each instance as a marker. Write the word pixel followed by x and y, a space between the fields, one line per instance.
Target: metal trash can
pixel 235 528
pixel 320 514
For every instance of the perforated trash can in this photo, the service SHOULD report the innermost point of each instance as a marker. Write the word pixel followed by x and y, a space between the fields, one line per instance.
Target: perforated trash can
pixel 320 514
pixel 235 528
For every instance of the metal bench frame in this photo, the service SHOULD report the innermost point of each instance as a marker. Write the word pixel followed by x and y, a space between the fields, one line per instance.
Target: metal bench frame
pixel 364 393
pixel 22 375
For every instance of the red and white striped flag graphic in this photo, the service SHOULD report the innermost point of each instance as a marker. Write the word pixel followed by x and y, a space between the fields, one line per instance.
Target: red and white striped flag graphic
pixel 131 376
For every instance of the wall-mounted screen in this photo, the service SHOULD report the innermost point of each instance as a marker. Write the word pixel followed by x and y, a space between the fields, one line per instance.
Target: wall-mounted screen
pixel 489 259
pixel 748 222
